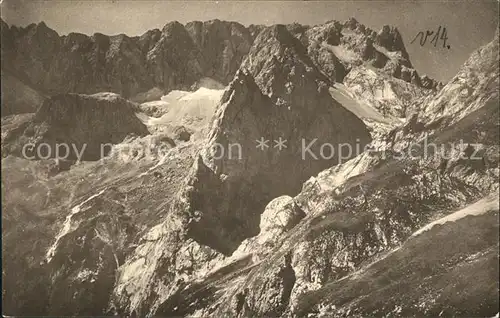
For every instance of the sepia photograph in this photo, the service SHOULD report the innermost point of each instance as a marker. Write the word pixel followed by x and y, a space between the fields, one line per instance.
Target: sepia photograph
pixel 289 159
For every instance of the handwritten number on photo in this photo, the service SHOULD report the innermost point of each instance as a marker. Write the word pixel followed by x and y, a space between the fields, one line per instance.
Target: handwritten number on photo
pixel 440 34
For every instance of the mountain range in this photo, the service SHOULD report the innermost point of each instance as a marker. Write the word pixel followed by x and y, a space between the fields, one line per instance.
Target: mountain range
pixel 186 214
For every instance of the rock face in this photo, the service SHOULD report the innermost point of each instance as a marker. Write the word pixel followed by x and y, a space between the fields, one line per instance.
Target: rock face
pixel 468 260
pixel 267 99
pixel 17 96
pixel 346 227
pixel 338 48
pixel 89 219
pixel 391 39
pixel 223 46
pixel 173 58
pixel 390 96
pixel 182 65
pixel 221 222
pixel 80 123
pixel 472 93
pixel 476 83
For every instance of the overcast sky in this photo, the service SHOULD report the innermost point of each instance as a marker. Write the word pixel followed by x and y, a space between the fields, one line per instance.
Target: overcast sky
pixel 469 24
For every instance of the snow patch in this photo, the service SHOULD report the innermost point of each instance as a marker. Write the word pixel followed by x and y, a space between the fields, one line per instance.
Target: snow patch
pixel 156 103
pixel 107 96
pixel 360 108
pixel 489 203
pixel 344 54
pixel 193 110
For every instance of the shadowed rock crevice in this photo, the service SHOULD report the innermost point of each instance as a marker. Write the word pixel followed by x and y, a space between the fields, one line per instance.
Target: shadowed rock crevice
pixel 287 274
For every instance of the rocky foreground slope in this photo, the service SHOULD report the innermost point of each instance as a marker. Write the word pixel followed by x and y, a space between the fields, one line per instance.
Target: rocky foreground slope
pixel 185 230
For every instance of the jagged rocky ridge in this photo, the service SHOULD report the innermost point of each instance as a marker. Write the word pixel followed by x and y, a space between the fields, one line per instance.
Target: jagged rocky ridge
pixel 177 56
pixel 172 58
pixel 147 237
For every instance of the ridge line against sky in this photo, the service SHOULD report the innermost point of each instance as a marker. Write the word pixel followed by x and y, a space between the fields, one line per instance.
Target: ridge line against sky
pixel 469 24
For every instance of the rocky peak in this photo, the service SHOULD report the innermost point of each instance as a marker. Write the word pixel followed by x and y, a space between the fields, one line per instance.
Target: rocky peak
pixel 174 33
pixel 40 33
pixel 280 65
pixel 352 23
pixel 41 26
pixel 102 41
pixel 147 40
pixel 255 29
pixel 285 97
pixel 297 28
pixel 175 61
pixel 174 28
pixel 75 38
pixel 223 45
pixel 390 38
pixel 336 48
pixel 279 32
pixel 476 82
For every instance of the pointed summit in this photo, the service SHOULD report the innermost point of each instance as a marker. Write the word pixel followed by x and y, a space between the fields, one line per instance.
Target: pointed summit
pixel 173 28
pixel 42 25
pixel 279 94
pixel 390 38
pixel 352 23
pixel 223 45
pixel 41 29
pixel 281 66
